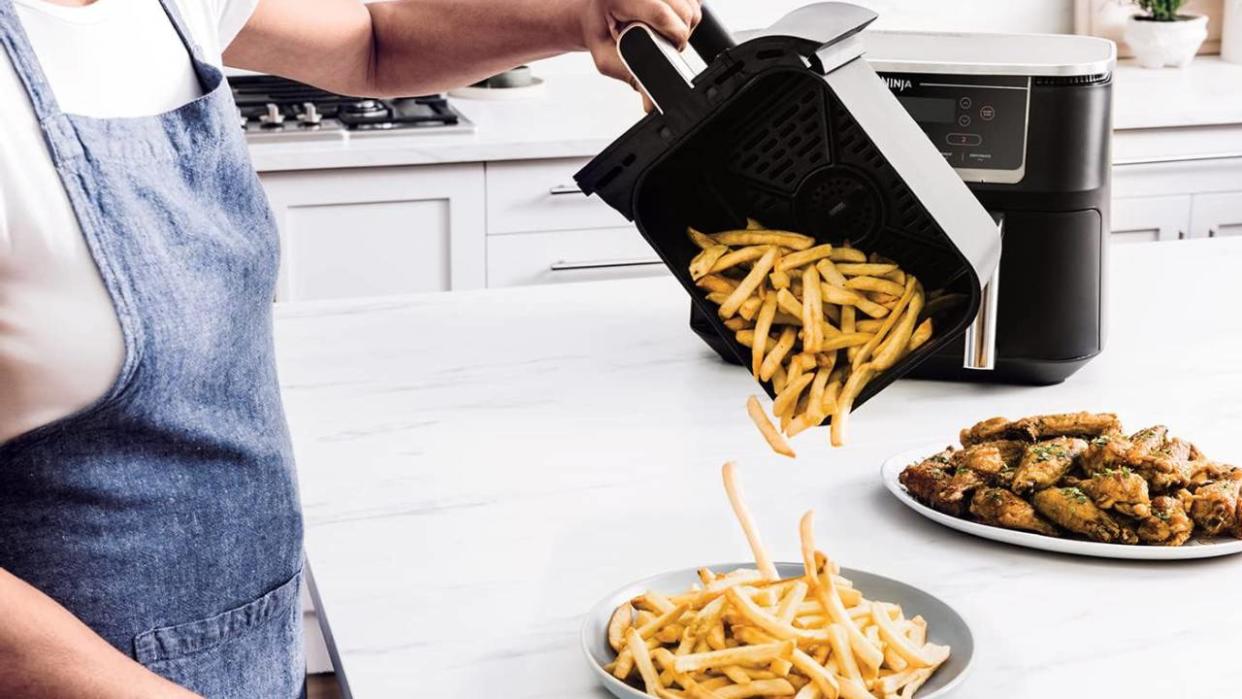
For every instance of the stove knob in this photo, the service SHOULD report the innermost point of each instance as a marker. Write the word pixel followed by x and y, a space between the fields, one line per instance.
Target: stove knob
pixel 310 116
pixel 274 117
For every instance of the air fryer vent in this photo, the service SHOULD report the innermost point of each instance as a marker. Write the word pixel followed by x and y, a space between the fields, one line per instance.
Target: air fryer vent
pixel 841 202
pixel 1073 80
pixel 780 147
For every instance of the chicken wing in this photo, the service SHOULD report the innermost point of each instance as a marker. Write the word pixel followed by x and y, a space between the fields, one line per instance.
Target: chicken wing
pixel 1199 472
pixel 1083 425
pixel 993 429
pixel 1001 508
pixel 1030 429
pixel 995 461
pixel 928 479
pixel 1120 490
pixel 1164 466
pixel 1071 509
pixel 1215 507
pixel 1044 463
pixel 1167 524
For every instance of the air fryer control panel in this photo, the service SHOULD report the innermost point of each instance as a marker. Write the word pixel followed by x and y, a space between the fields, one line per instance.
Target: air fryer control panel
pixel 978 122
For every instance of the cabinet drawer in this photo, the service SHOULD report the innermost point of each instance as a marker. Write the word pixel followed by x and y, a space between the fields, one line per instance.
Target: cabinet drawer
pixel 541 195
pixel 569 256
pixel 1217 215
pixel 1140 219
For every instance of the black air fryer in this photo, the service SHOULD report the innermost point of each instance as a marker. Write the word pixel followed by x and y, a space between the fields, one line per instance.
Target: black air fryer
pixel 794 128
pixel 1026 121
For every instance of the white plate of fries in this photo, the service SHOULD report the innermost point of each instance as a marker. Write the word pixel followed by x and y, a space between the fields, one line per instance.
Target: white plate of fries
pixel 808 630
pixel 821 322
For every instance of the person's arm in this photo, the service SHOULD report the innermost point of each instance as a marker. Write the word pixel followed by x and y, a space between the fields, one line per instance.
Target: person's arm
pixel 411 47
pixel 47 653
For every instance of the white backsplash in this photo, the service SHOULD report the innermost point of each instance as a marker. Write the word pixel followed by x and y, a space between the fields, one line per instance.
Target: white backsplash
pixel 1040 16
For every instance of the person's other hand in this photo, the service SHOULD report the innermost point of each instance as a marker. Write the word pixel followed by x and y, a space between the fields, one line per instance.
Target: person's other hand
pixel 603 20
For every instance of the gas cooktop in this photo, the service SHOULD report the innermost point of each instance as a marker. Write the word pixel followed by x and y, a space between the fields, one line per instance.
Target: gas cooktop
pixel 277 109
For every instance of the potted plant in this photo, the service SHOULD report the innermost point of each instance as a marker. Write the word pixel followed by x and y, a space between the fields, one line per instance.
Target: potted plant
pixel 1161 36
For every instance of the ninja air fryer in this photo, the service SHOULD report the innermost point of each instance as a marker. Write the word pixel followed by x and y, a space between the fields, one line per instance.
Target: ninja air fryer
pixel 1026 121
pixel 795 129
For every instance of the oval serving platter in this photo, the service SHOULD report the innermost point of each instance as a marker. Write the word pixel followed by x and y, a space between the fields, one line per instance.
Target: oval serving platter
pixel 1194 548
pixel 944 625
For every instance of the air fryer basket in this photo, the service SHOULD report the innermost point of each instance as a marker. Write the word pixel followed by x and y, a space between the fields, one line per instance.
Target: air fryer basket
pixel 771 141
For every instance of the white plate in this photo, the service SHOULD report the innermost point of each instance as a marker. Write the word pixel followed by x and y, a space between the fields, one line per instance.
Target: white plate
pixel 1192 549
pixel 944 625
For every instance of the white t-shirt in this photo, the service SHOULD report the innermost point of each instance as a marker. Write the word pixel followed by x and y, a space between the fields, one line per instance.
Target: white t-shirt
pixel 61 347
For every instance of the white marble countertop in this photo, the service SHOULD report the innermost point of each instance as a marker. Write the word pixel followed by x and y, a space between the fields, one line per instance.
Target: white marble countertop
pixel 479 468
pixel 579 115
pixel 1206 93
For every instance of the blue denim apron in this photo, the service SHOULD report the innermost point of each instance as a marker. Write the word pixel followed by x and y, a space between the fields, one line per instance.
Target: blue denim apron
pixel 165 516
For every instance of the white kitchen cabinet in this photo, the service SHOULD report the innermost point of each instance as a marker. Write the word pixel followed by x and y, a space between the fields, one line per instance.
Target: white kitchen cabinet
pixel 533 196
pixel 379 231
pixel 1216 215
pixel 569 256
pixel 1139 219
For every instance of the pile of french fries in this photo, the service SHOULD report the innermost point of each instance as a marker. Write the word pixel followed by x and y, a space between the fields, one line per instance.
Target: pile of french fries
pixel 749 633
pixel 821 320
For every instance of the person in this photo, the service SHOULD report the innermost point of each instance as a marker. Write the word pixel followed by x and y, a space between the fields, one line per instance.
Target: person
pixel 150 533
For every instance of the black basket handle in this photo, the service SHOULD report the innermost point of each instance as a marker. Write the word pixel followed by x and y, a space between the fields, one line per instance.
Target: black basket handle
pixel 661 71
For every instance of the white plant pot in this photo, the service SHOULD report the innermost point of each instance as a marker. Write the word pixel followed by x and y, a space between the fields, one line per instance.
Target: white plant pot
pixel 1160 44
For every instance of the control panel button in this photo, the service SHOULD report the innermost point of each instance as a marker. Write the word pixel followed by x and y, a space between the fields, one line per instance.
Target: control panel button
pixel 963 121
pixel 964 139
pixel 965 103
pixel 987 112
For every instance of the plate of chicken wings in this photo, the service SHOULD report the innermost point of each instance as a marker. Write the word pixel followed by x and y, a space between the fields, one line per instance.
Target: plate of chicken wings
pixel 1076 483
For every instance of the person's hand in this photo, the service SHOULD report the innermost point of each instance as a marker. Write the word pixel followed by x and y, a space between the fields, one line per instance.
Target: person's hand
pixel 603 20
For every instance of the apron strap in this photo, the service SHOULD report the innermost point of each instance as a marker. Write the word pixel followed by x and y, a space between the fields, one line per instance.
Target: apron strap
pixel 26 64
pixel 205 72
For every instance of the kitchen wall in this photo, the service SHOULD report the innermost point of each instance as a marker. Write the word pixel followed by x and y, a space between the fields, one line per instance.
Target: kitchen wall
pixel 1040 16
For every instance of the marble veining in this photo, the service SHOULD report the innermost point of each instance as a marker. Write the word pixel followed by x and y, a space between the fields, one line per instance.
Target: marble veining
pixel 481 467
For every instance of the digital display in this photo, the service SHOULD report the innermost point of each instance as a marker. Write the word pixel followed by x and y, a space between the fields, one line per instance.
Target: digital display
pixel 930 110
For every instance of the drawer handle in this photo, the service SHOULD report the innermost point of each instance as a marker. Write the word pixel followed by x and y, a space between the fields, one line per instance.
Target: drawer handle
pixel 564 266
pixel 561 190
pixel 1164 160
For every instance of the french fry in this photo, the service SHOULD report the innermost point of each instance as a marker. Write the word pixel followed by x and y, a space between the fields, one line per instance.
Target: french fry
pixel 702 240
pixel 763 326
pixel 882 286
pixel 778 353
pixel 716 284
pixel 793 390
pixel 865 353
pixel 642 660
pixel 847 254
pixel 767 429
pixel 738 257
pixel 785 239
pixel 812 310
pixel 702 263
pixel 750 656
pixel 760 688
pixel 804 257
pixel 845 402
pixel 898 344
pixel 748 285
pixel 851 269
pixel 849 297
pixel 621 621
pixel 921 334
pixel 736 500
